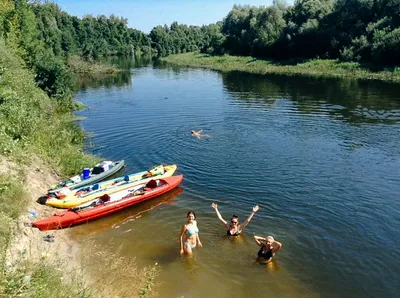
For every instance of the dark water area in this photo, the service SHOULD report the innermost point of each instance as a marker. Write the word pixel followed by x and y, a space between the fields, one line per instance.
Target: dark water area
pixel 320 157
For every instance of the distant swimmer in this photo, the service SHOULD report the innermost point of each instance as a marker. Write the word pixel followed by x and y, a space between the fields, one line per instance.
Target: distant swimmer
pixel 234 228
pixel 189 236
pixel 269 247
pixel 198 134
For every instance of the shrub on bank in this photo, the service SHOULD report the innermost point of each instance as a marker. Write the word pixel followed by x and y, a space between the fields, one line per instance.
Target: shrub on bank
pixel 33 124
pixel 328 68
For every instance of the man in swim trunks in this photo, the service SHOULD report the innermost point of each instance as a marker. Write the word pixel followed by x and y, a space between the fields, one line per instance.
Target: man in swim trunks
pixel 234 228
pixel 189 235
pixel 269 247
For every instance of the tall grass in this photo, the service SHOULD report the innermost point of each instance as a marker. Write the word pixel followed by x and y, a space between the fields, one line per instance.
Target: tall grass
pixel 310 68
pixel 81 66
pixel 32 124
pixel 27 278
pixel 110 276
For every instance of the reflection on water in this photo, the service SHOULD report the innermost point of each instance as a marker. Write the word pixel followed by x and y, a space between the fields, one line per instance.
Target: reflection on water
pixel 320 157
pixel 120 79
pixel 350 100
pixel 129 62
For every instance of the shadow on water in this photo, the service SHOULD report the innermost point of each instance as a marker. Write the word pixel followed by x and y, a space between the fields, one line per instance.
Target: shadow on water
pixel 121 79
pixel 118 80
pixel 353 101
pixel 120 218
pixel 130 62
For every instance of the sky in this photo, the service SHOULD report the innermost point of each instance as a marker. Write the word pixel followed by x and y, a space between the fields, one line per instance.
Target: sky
pixel 146 14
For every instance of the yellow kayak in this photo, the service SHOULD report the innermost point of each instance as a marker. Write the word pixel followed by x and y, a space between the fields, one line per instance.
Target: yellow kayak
pixel 83 195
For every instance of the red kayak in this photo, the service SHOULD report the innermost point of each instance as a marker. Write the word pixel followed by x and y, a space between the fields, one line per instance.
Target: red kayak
pixel 108 204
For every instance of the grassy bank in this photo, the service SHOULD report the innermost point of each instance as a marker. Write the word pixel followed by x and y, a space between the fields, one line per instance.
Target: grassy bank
pixel 310 68
pixel 83 67
pixel 32 125
pixel 37 134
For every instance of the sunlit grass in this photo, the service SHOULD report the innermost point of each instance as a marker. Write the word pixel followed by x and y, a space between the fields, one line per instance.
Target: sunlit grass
pixel 34 126
pixel 13 199
pixel 312 68
pixel 80 66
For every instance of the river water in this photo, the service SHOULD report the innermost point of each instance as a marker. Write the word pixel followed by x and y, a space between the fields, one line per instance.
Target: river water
pixel 320 157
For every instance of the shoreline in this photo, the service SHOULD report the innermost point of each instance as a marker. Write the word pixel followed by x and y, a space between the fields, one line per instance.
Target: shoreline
pixel 311 68
pixel 27 243
pixel 69 265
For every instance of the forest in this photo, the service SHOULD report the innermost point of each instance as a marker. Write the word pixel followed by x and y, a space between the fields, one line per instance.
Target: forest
pixel 45 36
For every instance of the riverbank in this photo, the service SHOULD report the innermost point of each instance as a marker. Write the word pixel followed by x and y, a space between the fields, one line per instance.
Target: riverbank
pixel 82 67
pixel 310 68
pixel 32 266
pixel 40 143
pixel 61 267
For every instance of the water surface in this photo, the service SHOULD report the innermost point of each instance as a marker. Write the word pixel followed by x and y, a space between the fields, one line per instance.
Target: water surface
pixel 320 157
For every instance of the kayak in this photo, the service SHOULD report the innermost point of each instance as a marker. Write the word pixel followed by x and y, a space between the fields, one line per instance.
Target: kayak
pixel 108 204
pixel 88 193
pixel 88 176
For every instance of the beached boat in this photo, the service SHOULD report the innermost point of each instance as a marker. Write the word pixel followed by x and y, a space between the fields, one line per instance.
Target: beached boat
pixel 88 176
pixel 79 196
pixel 108 204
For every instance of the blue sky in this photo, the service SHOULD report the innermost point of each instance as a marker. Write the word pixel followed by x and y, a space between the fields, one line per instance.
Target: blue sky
pixel 145 14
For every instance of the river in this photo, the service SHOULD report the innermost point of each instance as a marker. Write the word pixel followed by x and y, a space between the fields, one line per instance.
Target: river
pixel 320 157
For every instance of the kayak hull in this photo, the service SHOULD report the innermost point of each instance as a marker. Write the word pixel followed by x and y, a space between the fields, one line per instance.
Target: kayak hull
pixel 70 217
pixel 106 187
pixel 94 178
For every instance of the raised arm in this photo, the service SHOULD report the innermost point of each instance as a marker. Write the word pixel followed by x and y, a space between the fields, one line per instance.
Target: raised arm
pixel 215 206
pixel 181 239
pixel 259 240
pixel 246 222
pixel 276 246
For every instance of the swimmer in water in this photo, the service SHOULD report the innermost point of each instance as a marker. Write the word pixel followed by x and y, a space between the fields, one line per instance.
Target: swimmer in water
pixel 234 228
pixel 269 247
pixel 196 134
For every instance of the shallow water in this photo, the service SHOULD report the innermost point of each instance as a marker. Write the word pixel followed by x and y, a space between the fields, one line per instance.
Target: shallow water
pixel 320 157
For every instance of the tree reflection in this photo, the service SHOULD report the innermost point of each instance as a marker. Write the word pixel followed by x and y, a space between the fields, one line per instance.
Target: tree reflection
pixel 353 101
pixel 120 79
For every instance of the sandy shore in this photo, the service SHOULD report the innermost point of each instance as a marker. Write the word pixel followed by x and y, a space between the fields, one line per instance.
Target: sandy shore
pixel 103 272
pixel 28 242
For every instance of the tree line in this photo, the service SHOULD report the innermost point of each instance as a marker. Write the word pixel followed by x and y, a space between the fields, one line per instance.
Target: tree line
pixel 350 30
pixel 44 36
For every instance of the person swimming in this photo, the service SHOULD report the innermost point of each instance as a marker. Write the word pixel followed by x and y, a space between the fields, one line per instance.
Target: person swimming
pixel 234 228
pixel 198 134
pixel 189 236
pixel 268 248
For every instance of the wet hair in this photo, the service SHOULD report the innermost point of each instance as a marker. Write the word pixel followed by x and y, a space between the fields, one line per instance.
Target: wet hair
pixel 235 216
pixel 270 238
pixel 191 212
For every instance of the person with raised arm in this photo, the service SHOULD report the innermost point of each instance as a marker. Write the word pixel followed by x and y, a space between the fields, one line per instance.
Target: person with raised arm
pixel 235 228
pixel 269 247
